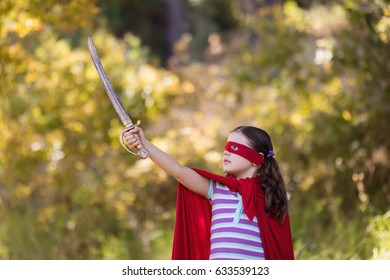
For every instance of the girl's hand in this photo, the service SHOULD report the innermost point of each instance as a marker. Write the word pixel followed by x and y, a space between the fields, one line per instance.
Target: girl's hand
pixel 134 141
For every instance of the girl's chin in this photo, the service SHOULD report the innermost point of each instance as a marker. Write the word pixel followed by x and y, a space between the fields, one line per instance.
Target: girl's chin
pixel 227 171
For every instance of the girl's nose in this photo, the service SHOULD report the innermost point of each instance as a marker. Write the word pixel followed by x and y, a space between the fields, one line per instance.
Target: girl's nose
pixel 226 153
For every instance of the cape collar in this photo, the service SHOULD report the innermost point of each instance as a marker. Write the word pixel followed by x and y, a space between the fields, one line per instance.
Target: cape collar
pixel 246 187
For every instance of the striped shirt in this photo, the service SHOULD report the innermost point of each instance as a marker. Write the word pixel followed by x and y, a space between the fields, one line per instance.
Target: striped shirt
pixel 233 235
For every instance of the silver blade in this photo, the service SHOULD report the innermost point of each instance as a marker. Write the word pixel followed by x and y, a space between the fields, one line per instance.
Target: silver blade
pixel 108 86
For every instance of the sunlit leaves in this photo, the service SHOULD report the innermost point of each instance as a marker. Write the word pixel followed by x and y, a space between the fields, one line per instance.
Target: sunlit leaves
pixel 319 87
pixel 380 229
pixel 383 27
pixel 60 149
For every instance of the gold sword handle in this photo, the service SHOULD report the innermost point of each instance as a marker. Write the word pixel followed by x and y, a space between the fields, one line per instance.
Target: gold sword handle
pixel 142 152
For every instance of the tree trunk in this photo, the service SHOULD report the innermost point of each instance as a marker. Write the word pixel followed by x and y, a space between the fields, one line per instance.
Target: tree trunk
pixel 175 22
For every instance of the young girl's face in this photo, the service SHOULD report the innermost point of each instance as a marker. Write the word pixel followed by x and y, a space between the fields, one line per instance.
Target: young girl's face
pixel 234 164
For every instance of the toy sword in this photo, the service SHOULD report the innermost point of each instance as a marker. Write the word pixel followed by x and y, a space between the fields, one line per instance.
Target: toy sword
pixel 143 152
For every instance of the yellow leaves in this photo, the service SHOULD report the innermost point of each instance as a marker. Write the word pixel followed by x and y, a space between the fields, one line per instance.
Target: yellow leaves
pixel 324 51
pixel 181 46
pixel 49 144
pixel 22 192
pixel 31 77
pixel 77 61
pixel 8 130
pixel 116 128
pixel 98 149
pixel 76 126
pixel 128 198
pixel 120 207
pixel 294 15
pixel 90 72
pixel 37 116
pixel 247 57
pixel 4 252
pixel 15 49
pixel 148 74
pixel 46 215
pixel 80 166
pixel 25 17
pixel 65 15
pixel 307 183
pixel 86 8
pixel 296 119
pixel 346 115
pixel 379 228
pixel 188 87
pixel 20 22
pixel 156 85
pixel 333 88
pixel 89 108
pixel 320 20
pixel 383 26
pixel 320 102
pixel 164 143
pixel 200 141
pixel 214 157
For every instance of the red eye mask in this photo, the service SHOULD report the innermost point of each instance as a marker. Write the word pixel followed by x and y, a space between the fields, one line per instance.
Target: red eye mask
pixel 245 152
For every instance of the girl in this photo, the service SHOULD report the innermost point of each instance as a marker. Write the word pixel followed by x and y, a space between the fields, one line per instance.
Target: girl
pixel 242 215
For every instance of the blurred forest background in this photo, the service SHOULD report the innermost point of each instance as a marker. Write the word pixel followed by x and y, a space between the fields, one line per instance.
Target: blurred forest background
pixel 314 74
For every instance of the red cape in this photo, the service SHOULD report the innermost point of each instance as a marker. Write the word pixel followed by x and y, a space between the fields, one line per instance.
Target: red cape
pixel 191 239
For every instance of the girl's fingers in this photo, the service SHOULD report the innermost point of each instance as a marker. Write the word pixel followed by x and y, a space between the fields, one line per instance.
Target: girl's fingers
pixel 135 129
pixel 132 140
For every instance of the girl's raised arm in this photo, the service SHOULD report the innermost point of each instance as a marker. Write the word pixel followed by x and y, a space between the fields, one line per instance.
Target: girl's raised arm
pixel 185 175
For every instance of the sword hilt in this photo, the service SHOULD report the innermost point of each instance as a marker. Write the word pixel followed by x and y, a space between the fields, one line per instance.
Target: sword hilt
pixel 142 152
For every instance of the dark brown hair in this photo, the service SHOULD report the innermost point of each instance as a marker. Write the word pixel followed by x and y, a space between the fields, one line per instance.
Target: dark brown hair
pixel 271 179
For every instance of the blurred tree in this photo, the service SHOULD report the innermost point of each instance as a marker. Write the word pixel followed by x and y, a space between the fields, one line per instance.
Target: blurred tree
pixel 321 89
pixel 175 22
pixel 160 24
pixel 63 192
pixel 146 19
pixel 310 83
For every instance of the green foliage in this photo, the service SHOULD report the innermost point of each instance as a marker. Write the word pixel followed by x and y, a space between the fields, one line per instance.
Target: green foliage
pixel 379 229
pixel 64 195
pixel 308 79
pixel 319 87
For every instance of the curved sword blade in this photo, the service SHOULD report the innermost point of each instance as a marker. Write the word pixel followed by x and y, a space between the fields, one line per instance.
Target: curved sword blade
pixel 108 86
